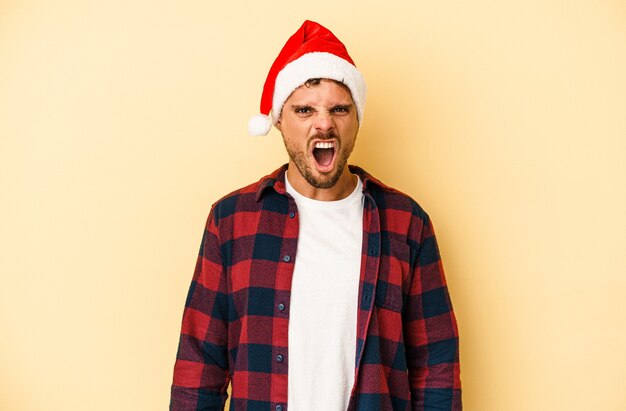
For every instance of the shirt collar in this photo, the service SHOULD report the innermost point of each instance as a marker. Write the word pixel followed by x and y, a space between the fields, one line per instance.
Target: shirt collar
pixel 276 181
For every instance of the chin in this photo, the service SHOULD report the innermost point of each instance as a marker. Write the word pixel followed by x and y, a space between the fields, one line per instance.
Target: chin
pixel 323 183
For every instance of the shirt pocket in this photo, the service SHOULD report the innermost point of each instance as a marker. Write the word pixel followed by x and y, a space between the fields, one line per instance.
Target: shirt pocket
pixel 392 273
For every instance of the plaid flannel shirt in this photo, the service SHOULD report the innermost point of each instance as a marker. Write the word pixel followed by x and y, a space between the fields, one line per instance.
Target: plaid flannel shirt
pixel 235 322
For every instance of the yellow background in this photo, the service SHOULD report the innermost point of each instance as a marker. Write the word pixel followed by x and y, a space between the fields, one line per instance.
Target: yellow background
pixel 122 121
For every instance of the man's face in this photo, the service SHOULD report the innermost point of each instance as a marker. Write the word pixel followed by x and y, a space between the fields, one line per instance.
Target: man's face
pixel 319 127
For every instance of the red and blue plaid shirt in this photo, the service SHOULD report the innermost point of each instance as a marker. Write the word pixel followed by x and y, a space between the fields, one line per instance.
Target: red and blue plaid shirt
pixel 235 322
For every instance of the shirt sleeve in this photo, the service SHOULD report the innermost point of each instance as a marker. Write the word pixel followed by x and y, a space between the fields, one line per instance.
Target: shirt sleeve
pixel 201 374
pixel 431 334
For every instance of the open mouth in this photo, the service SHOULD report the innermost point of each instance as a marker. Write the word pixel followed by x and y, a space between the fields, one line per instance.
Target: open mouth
pixel 324 154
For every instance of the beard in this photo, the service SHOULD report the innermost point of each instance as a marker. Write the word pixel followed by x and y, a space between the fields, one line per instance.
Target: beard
pixel 304 161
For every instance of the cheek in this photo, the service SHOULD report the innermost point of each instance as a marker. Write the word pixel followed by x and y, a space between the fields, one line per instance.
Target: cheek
pixel 350 129
pixel 294 139
pixel 296 131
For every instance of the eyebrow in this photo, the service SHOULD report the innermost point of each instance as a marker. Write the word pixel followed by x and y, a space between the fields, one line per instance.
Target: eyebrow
pixel 340 105
pixel 347 105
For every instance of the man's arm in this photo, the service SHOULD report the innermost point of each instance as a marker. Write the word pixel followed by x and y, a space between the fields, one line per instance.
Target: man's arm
pixel 201 371
pixel 430 329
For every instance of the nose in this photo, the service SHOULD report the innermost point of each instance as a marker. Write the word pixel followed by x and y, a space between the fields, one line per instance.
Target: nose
pixel 323 122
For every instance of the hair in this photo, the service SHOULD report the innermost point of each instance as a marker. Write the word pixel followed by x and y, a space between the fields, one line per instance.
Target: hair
pixel 312 82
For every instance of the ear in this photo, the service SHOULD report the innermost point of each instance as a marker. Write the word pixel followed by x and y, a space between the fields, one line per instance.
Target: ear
pixel 278 125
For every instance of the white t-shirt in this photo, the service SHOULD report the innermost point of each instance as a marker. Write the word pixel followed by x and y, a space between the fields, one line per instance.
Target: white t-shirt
pixel 324 302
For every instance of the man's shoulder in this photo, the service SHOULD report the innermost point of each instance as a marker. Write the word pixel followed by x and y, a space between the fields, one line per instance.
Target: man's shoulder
pixel 246 198
pixel 387 197
pixel 245 193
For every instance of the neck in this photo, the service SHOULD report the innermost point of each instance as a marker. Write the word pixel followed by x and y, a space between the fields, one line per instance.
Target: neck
pixel 343 188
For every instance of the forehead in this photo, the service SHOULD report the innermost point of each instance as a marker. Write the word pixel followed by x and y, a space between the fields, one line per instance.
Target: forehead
pixel 330 91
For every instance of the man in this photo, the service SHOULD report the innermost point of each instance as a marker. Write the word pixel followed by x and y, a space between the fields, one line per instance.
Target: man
pixel 318 287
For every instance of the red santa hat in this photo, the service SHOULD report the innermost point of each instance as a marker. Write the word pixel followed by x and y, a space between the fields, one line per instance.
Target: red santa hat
pixel 312 52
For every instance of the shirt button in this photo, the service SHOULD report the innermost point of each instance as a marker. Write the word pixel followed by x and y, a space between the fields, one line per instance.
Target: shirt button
pixel 292 214
pixel 279 407
pixel 281 307
pixel 279 358
pixel 287 258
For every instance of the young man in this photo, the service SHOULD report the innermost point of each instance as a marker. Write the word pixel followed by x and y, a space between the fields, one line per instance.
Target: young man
pixel 317 287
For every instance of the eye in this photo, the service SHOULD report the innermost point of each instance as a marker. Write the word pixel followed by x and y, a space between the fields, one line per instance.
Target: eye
pixel 303 110
pixel 340 109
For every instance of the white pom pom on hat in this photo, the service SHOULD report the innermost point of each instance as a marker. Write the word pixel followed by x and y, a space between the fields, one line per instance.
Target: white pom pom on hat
pixel 311 52
pixel 259 125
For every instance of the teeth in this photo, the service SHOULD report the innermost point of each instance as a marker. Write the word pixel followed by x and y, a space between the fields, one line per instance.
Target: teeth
pixel 322 144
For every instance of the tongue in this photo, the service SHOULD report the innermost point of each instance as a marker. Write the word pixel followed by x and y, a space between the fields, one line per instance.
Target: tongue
pixel 323 156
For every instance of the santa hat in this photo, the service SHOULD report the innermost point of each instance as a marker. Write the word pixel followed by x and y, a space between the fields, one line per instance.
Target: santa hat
pixel 312 52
